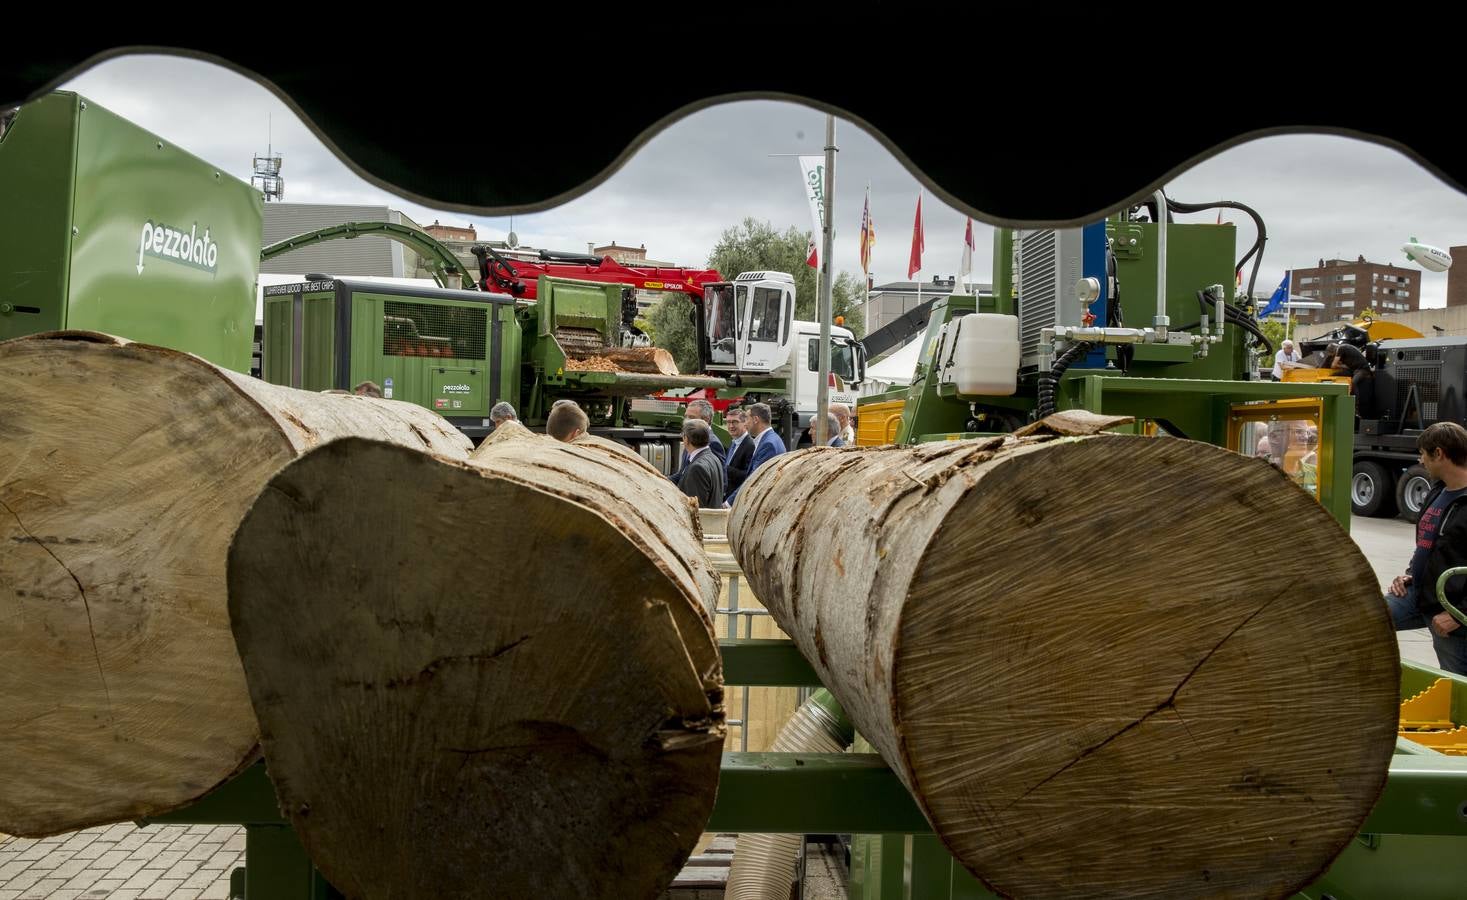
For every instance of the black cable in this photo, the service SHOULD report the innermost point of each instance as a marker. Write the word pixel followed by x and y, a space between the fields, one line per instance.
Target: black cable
pixel 1258 241
pixel 1236 317
pixel 1049 381
pixel 1113 315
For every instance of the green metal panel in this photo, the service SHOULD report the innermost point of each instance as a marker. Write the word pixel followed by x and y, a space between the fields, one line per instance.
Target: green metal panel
pixel 276 361
pixel 459 391
pixel 1200 409
pixel 389 333
pixel 141 240
pixel 37 164
pixel 564 303
pixel 876 866
pixel 760 662
pixel 318 341
pixel 284 871
pixel 511 364
pixel 1196 256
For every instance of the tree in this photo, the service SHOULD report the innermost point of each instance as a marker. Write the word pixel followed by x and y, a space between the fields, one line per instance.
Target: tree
pixel 753 246
pixel 669 325
pixel 1273 329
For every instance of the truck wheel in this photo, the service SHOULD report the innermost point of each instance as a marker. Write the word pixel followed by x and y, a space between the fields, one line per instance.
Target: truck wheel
pixel 1371 491
pixel 1411 492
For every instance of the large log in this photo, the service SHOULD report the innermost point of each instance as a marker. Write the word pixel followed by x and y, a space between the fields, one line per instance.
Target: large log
pixel 1105 666
pixel 124 469
pixel 644 360
pixel 493 678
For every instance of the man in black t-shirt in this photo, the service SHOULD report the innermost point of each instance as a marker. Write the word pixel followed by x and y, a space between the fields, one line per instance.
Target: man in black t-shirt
pixel 1441 544
pixel 1351 360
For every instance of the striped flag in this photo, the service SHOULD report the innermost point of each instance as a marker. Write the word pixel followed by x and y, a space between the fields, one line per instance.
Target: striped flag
pixel 868 233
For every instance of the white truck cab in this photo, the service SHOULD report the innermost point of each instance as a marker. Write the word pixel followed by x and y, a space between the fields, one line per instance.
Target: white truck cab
pixel 751 332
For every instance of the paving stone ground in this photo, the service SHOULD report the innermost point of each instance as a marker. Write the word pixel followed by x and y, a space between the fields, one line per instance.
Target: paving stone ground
pixel 123 862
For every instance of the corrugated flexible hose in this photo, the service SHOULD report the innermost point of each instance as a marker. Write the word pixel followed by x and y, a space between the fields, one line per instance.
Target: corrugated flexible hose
pixel 763 865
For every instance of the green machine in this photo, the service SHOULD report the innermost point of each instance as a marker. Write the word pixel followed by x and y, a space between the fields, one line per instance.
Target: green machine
pixel 458 352
pixel 1181 369
pixel 109 228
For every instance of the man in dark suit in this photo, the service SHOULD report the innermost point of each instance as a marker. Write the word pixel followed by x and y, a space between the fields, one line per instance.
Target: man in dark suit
pixel 740 453
pixel 767 442
pixel 701 410
pixel 703 475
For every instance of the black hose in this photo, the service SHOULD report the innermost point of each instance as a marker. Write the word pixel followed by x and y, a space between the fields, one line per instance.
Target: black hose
pixel 1049 381
pixel 1113 315
pixel 1236 317
pixel 1258 242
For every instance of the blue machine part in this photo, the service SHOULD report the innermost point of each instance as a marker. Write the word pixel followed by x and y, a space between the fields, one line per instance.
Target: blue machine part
pixel 1092 265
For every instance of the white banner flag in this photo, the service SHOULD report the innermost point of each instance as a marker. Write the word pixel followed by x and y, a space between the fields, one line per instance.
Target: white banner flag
pixel 813 168
pixel 965 267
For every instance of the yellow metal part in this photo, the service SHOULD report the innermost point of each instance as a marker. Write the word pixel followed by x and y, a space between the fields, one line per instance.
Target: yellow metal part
pixel 1452 743
pixel 877 423
pixel 1430 710
pixel 1314 376
pixel 1382 330
pixel 1287 433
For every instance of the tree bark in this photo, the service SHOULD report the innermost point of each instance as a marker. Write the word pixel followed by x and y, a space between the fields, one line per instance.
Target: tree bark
pixel 1105 666
pixel 485 678
pixel 124 469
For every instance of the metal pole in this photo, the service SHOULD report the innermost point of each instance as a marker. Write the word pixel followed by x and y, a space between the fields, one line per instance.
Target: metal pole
pixel 822 390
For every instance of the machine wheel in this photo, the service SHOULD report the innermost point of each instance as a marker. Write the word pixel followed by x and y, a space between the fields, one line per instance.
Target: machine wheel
pixel 1411 492
pixel 1371 491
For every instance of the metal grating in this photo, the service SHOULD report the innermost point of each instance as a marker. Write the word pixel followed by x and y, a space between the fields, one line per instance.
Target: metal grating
pixel 1426 378
pixel 426 329
pixel 1039 286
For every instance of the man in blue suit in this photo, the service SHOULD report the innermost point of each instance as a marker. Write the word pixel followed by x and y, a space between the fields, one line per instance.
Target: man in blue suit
pixel 767 442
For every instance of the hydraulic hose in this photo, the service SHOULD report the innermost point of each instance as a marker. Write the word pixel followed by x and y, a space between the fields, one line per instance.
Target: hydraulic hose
pixel 1049 381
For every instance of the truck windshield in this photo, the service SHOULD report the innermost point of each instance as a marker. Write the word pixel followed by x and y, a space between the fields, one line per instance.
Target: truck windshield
pixel 842 359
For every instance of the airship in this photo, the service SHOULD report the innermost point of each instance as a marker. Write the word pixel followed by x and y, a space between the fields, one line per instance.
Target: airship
pixel 1432 259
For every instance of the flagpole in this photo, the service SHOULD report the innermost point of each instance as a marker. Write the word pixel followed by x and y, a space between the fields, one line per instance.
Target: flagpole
pixel 865 271
pixel 827 189
pixel 1289 306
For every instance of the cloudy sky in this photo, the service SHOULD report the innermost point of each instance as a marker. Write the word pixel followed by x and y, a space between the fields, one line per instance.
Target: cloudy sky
pixel 1320 196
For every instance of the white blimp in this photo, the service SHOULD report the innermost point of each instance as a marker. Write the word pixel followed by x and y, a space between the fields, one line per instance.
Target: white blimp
pixel 1432 259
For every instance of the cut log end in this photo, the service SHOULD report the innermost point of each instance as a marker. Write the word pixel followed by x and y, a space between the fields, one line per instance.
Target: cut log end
pixel 124 469
pixel 106 607
pixel 510 681
pixel 1106 686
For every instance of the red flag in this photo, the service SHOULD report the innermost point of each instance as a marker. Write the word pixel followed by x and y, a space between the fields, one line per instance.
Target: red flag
pixel 812 254
pixel 914 264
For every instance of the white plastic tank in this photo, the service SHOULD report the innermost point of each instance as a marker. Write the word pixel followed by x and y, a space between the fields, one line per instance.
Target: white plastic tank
pixel 985 356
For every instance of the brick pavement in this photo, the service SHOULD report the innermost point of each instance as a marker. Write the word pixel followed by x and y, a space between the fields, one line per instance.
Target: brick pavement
pixel 123 862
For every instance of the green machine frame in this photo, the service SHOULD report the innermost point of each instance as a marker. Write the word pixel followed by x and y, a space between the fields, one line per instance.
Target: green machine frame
pixel 1414 841
pixel 1201 409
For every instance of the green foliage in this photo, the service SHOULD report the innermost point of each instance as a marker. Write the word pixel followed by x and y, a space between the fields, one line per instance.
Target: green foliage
pixel 754 246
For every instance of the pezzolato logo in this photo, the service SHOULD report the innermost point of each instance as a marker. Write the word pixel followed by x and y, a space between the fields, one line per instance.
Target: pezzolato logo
pixel 186 247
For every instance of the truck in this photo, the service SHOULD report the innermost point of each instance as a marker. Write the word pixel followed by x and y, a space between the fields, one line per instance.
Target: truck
pixel 750 346
pixel 459 352
pixel 1417 381
pixel 745 329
